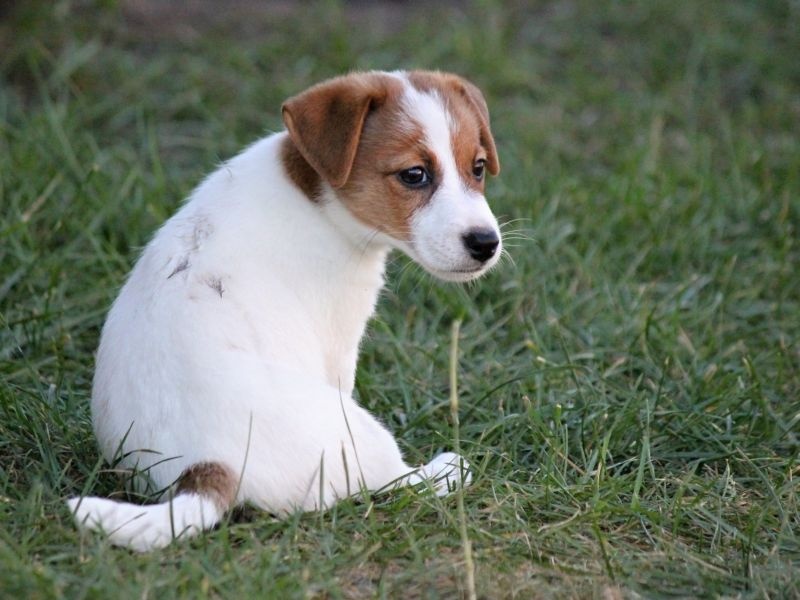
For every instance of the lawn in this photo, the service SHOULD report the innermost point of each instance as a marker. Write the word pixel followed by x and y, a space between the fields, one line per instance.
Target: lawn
pixel 629 378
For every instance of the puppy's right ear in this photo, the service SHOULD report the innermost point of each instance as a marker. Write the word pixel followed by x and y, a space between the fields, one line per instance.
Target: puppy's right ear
pixel 326 120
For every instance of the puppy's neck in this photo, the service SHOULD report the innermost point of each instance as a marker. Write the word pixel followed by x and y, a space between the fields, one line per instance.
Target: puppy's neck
pixel 344 261
pixel 367 240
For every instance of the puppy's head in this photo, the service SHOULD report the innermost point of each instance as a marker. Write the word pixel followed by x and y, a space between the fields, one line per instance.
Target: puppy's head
pixel 407 153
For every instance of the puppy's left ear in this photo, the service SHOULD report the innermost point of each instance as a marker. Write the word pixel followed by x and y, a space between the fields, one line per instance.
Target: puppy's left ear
pixel 475 98
pixel 325 122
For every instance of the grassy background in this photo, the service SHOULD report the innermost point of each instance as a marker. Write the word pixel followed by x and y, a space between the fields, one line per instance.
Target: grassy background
pixel 630 384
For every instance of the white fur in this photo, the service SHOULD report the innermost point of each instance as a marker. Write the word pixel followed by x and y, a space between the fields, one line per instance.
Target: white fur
pixel 235 340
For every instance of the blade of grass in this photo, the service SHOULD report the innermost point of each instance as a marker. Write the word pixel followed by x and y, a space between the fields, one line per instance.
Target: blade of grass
pixel 466 544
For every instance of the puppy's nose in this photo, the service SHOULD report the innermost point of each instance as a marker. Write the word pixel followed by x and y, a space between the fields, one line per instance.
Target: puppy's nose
pixel 481 243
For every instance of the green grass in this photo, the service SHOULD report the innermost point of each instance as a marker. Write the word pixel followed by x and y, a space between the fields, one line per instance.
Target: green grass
pixel 629 386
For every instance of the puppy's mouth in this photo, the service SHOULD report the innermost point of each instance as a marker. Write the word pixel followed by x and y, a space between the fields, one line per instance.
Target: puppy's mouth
pixel 458 274
pixel 455 274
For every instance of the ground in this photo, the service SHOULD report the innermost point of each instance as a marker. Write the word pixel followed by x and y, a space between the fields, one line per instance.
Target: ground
pixel 629 376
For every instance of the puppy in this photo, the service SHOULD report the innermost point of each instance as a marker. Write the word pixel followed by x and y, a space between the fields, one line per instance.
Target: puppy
pixel 226 366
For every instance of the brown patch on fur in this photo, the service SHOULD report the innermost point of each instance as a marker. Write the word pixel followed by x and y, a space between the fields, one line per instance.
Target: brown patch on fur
pixel 300 172
pixel 466 143
pixel 391 142
pixel 212 480
pixel 460 94
pixel 325 121
pixel 353 132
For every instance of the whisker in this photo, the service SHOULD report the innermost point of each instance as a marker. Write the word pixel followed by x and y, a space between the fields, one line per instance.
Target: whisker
pixel 406 270
pixel 504 255
pixel 503 224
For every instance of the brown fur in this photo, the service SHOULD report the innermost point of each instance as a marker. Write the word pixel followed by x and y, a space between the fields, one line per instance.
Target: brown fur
pixel 325 121
pixel 390 142
pixel 210 479
pixel 452 86
pixel 352 131
pixel 299 171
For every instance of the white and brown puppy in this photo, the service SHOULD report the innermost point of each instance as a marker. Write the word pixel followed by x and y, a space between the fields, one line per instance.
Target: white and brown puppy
pixel 227 363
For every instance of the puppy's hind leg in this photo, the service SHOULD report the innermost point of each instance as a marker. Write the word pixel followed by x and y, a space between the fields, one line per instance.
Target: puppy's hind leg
pixel 205 492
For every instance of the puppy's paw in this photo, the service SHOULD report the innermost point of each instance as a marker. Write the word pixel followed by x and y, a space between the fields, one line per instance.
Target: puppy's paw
pixel 447 472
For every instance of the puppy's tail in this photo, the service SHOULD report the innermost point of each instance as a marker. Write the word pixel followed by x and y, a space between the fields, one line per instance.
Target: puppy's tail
pixel 205 492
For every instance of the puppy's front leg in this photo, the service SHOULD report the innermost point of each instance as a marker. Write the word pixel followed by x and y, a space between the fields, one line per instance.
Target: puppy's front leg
pixel 373 458
pixel 446 473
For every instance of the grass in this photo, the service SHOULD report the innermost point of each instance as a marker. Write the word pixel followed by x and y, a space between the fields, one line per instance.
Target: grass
pixel 629 385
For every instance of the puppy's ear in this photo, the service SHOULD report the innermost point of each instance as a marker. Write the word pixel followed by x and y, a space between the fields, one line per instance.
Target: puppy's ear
pixel 475 98
pixel 325 122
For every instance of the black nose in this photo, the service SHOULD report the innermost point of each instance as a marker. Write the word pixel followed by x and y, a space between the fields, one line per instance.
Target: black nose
pixel 481 243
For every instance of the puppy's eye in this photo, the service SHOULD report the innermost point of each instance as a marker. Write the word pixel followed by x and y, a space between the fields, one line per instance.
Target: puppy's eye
pixel 415 177
pixel 478 168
